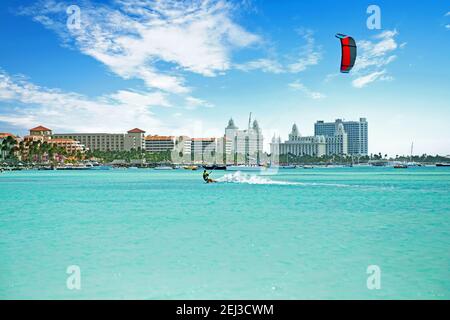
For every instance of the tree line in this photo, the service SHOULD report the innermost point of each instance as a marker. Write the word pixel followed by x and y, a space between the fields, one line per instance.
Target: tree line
pixel 14 151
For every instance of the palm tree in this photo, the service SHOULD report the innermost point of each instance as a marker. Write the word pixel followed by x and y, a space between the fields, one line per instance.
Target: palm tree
pixel 4 149
pixel 9 146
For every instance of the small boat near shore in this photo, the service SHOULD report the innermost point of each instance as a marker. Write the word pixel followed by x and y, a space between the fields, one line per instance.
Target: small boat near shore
pixel 190 167
pixel 289 166
pixel 215 167
pixel 163 168
pixel 69 166
pixel 101 167
pixel 442 164
pixel 244 168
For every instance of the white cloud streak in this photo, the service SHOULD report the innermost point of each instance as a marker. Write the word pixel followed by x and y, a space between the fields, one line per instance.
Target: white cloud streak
pixel 265 65
pixel 193 103
pixel 298 86
pixel 308 55
pixel 363 81
pixel 373 57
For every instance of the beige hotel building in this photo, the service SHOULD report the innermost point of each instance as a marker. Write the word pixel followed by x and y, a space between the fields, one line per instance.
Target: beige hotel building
pixel 133 139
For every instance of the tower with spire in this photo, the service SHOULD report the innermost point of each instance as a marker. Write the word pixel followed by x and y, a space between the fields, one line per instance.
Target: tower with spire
pixel 231 125
pixel 294 135
pixel 244 146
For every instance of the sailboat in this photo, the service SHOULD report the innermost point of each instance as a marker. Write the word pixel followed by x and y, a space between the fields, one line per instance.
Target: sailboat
pixel 412 163
pixel 405 165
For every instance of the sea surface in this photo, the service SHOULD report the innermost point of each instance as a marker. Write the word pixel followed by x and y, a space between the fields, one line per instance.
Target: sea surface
pixel 298 234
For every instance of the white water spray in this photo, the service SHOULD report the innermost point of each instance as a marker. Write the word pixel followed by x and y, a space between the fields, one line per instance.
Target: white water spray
pixel 239 177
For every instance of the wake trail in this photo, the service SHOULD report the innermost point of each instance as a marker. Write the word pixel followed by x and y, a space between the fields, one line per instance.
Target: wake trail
pixel 239 177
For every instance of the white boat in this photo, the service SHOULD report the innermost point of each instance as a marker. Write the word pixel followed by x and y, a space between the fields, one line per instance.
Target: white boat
pixel 101 167
pixel 163 168
pixel 414 164
pixel 283 167
pixel 289 166
pixel 245 168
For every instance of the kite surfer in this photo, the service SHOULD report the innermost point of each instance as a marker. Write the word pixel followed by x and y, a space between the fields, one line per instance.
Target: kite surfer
pixel 206 177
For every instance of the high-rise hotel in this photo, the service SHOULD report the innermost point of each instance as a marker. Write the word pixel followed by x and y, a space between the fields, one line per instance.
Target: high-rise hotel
pixel 331 138
pixel 357 133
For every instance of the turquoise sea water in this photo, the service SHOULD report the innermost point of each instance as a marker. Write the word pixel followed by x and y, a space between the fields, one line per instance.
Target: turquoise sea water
pixel 301 234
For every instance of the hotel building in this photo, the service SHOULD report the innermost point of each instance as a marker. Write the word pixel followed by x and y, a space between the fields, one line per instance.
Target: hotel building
pixel 338 143
pixel 132 140
pixel 298 145
pixel 243 146
pixel 357 133
pixel 43 134
pixel 157 143
pixel 203 150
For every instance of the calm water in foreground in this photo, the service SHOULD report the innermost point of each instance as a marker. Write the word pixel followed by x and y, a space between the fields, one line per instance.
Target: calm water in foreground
pixel 149 234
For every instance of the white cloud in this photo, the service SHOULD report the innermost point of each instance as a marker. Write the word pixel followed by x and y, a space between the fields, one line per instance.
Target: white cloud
pixel 70 111
pixel 329 77
pixel 193 103
pixel 306 56
pixel 298 86
pixel 376 54
pixel 363 81
pixel 134 37
pixel 309 54
pixel 140 99
pixel 373 57
pixel 265 65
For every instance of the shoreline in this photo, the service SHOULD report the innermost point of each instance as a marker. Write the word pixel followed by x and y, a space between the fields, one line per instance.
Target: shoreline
pixel 194 167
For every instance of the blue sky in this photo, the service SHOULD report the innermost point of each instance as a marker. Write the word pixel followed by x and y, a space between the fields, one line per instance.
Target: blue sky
pixel 173 67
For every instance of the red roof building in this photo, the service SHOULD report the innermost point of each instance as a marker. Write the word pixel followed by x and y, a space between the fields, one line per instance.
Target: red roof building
pixel 136 130
pixel 40 128
pixel 40 131
pixel 4 135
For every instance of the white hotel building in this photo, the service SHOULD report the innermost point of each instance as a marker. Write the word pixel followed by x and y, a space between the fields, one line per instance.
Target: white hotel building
pixel 316 146
pixel 243 146
pixel 298 145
